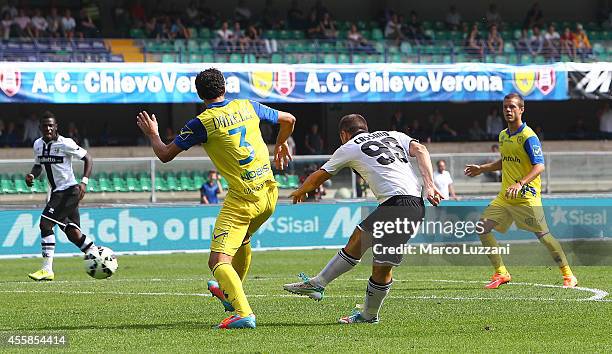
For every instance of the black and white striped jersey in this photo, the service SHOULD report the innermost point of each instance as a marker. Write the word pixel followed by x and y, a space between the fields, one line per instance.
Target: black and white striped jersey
pixel 382 159
pixel 56 157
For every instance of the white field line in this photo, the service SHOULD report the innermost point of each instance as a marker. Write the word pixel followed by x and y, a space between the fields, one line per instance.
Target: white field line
pixel 598 295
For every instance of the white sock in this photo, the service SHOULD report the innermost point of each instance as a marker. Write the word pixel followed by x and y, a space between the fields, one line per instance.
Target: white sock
pixel 375 295
pixel 338 265
pixel 47 244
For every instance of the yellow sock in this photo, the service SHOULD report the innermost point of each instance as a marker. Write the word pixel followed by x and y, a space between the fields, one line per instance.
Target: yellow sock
pixel 554 247
pixel 230 283
pixel 242 260
pixel 488 240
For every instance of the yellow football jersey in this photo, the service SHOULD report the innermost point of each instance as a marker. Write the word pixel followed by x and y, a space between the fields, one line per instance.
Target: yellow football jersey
pixel 519 152
pixel 229 132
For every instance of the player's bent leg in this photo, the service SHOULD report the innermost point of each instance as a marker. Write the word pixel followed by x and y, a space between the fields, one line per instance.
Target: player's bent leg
pixel 556 251
pixel 82 241
pixel 501 275
pixel 378 287
pixel 341 263
pixel 242 259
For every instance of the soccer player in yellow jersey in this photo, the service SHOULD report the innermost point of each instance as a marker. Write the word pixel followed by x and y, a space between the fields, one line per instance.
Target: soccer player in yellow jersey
pixel 229 132
pixel 519 201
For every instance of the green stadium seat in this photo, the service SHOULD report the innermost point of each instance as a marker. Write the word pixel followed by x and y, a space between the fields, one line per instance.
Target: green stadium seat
pixel 343 59
pixel 193 32
pixel 224 184
pixel 235 58
pixel 137 33
pixel 526 59
pixel 205 47
pixel 104 182
pixel 194 58
pixel 277 58
pixel 193 46
pixel 307 58
pixel 263 60
pixel 330 59
pixel 291 59
pixel 539 59
pixel 179 45
pixel 359 58
pixel 282 181
pixel 377 34
pixel 92 186
pixel 293 181
pixel 144 181
pixel 395 58
pixel 208 58
pixel 297 34
pixel 508 48
pixel 205 33
pixel 250 58
pixel 168 58
pixel 326 47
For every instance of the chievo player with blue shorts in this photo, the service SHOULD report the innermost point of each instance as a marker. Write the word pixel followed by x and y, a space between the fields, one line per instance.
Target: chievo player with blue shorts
pixel 519 200
pixel 229 132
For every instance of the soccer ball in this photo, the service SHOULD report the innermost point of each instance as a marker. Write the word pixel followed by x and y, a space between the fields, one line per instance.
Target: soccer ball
pixel 101 264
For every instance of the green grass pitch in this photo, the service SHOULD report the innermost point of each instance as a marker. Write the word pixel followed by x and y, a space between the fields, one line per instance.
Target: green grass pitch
pixel 157 303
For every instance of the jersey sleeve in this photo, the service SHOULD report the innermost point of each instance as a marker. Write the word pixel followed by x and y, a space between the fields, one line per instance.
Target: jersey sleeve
pixel 264 112
pixel 71 148
pixel 533 147
pixel 339 160
pixel 193 133
pixel 405 140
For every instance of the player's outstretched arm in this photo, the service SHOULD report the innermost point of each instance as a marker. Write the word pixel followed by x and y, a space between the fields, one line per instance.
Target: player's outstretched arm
pixel 311 183
pixel 87 167
pixel 282 155
pixel 34 173
pixel 475 170
pixel 148 125
pixel 422 155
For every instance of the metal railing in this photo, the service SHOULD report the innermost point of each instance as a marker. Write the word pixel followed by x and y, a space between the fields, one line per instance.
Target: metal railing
pixel 566 172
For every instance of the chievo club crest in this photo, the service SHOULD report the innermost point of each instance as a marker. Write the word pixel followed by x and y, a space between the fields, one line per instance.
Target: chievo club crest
pixel 10 81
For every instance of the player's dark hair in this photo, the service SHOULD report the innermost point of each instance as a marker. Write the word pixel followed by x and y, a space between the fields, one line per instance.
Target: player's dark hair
pixel 47 115
pixel 353 124
pixel 210 84
pixel 517 96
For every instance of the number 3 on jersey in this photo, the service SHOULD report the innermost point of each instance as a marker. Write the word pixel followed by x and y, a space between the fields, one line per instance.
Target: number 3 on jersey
pixel 243 143
pixel 383 148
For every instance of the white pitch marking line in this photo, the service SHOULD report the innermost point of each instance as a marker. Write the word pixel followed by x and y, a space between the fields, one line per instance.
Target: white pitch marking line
pixel 598 294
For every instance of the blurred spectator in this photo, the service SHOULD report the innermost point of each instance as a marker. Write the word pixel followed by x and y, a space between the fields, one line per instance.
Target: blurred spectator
pixel 582 43
pixel 578 130
pixel 523 45
pixel 55 23
pixel 252 41
pixel 476 133
pixel 10 9
pixel 495 43
pixel 271 16
pixel 443 181
pixel 446 133
pixel 473 43
pixel 138 12
pixel 492 16
pixel 10 137
pixel 539 132
pixel 415 31
pixel 494 123
pixel 224 36
pixel 30 130
pixel 552 42
pixel 453 19
pixel 317 194
pixel 605 121
pixel 313 30
pixel 151 29
pixel 536 42
pixel 295 17
pixel 328 27
pixel 2 133
pixel 415 131
pixel 210 190
pixel 23 24
pixel 393 30
pixel 39 25
pixel 313 141
pixel 397 120
pixel 242 13
pixel 7 25
pixel 270 43
pixel 239 40
pixel 435 121
pixel 86 27
pixel 534 17
pixel 192 13
pixel 493 176
pixel 356 41
pixel 73 133
pixel 568 45
pixel 68 24
pixel 178 30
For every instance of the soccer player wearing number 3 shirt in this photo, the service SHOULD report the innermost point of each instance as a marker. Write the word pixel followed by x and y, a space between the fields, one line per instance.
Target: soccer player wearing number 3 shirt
pixel 55 153
pixel 229 132
pixel 382 159
pixel 519 200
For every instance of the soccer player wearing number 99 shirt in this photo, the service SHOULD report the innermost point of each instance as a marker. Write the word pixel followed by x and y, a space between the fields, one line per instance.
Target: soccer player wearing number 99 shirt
pixel 229 132
pixel 382 159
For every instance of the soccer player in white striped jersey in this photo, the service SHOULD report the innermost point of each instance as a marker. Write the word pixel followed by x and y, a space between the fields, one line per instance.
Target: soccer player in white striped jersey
pixel 382 159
